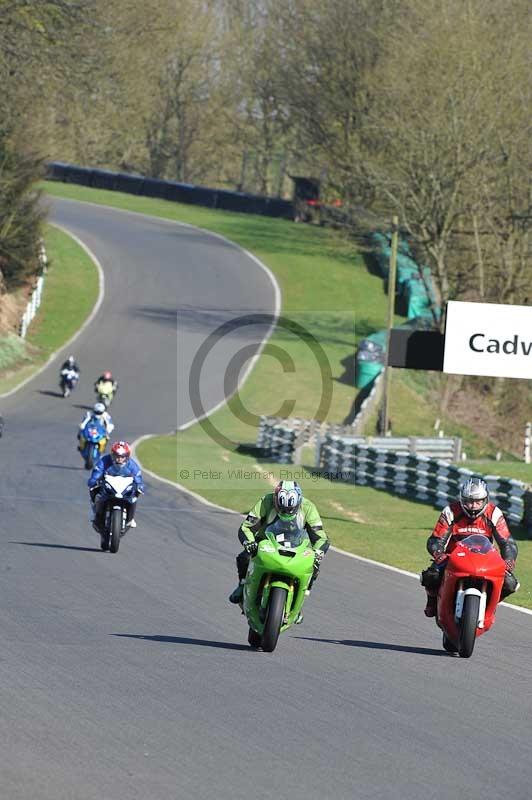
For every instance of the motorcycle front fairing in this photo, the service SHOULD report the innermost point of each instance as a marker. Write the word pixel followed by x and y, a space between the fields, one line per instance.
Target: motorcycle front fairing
pixel 285 559
pixel 93 435
pixel 69 376
pixel 118 490
pixel 473 567
pixel 121 487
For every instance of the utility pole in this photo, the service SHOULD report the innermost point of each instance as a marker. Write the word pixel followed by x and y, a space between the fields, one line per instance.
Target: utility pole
pixel 528 432
pixel 391 308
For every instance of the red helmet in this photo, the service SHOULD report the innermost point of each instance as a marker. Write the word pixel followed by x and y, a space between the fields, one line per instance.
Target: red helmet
pixel 107 376
pixel 120 453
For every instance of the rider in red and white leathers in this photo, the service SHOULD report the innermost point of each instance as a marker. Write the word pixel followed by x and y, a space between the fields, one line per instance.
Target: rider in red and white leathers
pixel 472 513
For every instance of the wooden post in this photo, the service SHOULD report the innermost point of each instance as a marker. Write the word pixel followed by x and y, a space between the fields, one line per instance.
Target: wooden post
pixel 391 308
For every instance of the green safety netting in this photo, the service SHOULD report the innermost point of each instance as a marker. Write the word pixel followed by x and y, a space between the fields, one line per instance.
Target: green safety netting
pixel 415 290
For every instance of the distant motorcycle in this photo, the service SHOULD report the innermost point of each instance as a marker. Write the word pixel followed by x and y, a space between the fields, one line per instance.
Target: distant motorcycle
pixel 68 379
pixel 105 392
pixel 118 493
pixel 277 578
pixel 93 442
pixel 469 593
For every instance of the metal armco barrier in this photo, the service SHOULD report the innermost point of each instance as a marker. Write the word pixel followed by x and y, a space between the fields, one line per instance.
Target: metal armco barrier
pixel 417 477
pixel 290 435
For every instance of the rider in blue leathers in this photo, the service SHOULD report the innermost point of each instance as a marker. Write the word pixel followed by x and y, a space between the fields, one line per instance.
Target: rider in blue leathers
pixel 98 415
pixel 119 462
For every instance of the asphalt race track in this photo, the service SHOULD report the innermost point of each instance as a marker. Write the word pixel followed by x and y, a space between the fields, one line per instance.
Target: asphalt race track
pixel 128 676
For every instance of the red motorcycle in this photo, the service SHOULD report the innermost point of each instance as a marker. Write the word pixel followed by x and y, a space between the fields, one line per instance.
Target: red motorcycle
pixel 469 593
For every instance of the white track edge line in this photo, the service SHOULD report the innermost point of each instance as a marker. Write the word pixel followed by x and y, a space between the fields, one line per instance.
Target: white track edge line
pixel 179 486
pixel 255 358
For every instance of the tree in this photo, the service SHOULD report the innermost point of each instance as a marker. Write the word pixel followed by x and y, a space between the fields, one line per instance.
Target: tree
pixel 39 44
pixel 253 76
pixel 329 48
pixel 434 137
pixel 21 213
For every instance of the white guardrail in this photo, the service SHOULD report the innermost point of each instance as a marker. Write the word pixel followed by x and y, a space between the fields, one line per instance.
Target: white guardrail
pixel 36 296
pixel 282 440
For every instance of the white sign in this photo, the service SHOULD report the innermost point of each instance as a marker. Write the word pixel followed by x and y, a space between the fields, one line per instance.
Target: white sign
pixel 488 339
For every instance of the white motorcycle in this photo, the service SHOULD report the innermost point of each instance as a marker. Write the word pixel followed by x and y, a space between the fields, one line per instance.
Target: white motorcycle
pixel 118 494
pixel 68 379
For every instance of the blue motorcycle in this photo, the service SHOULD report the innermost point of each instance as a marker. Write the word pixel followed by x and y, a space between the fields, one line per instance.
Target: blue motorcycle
pixel 92 443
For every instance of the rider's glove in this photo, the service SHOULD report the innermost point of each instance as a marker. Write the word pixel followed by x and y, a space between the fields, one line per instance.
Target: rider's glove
pixel 510 564
pixel 439 557
pixel 318 556
pixel 251 548
pixel 139 491
pixel 93 491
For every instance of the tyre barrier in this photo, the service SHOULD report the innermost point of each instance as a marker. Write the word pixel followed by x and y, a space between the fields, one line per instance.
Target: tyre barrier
pixel 170 190
pixel 418 477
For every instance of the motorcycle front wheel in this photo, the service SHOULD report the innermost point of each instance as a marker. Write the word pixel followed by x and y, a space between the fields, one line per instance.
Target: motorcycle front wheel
pixel 89 461
pixel 116 529
pixel 468 625
pixel 274 619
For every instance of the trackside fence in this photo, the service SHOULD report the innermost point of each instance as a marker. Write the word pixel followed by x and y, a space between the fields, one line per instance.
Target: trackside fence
pixel 36 296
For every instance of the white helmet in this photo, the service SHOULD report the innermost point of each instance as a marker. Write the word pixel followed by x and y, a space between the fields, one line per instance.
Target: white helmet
pixel 474 497
pixel 99 409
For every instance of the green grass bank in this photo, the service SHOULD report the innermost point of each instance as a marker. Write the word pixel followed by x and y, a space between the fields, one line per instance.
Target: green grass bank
pixel 69 295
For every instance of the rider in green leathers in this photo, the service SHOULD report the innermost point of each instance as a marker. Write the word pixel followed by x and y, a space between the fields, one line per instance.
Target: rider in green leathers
pixel 285 502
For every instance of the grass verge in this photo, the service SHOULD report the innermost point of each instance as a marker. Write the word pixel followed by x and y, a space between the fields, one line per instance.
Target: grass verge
pixel 325 285
pixel 69 294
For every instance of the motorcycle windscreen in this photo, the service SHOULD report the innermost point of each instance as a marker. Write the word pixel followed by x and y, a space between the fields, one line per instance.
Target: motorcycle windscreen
pixel 287 533
pixel 477 543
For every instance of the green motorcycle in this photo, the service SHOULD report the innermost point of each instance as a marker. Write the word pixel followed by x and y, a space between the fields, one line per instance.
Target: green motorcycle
pixel 276 581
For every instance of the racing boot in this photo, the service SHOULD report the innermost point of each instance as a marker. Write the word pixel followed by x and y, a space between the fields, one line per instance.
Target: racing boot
pixel 237 595
pixel 432 604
